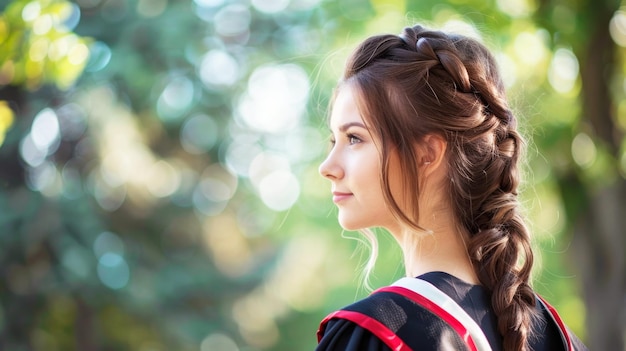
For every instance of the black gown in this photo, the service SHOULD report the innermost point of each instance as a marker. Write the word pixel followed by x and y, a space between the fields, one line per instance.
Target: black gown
pixel 425 330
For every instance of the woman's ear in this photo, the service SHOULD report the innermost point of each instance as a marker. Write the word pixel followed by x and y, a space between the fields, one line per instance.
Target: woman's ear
pixel 433 153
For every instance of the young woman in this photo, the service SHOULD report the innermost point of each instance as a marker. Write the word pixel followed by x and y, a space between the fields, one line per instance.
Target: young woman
pixel 425 146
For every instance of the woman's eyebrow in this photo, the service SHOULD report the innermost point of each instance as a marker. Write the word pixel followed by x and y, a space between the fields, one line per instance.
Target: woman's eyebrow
pixel 345 127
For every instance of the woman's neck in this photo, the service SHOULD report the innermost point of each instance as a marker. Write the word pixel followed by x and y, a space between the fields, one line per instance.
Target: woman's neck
pixel 442 249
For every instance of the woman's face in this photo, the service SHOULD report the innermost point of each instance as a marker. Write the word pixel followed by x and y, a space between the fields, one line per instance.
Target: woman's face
pixel 353 167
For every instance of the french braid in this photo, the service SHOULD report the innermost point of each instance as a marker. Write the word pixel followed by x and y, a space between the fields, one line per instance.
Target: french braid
pixel 425 82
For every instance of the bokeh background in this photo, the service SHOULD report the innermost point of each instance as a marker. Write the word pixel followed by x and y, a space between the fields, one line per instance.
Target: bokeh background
pixel 158 165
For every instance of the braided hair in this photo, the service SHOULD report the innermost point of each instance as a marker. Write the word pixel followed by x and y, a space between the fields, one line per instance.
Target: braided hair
pixel 429 82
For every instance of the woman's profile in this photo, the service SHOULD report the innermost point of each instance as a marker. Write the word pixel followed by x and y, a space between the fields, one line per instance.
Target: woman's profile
pixel 425 146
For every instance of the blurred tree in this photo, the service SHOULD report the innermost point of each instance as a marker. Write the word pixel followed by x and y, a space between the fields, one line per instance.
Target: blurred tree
pixel 140 206
pixel 168 197
pixel 593 186
pixel 36 47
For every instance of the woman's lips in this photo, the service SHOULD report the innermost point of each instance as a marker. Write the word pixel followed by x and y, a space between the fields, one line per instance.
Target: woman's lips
pixel 340 196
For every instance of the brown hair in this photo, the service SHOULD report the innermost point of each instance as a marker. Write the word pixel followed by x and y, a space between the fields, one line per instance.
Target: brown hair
pixel 429 82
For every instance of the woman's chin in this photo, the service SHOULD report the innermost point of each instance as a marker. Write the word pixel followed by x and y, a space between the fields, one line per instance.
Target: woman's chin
pixel 351 225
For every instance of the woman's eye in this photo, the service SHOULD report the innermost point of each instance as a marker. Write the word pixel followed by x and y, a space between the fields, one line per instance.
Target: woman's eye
pixel 353 139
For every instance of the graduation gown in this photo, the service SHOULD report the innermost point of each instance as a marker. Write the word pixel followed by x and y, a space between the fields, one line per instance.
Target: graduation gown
pixel 421 329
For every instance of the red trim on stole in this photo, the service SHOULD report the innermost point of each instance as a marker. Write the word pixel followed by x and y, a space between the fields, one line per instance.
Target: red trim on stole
pixel 437 310
pixel 385 334
pixel 559 322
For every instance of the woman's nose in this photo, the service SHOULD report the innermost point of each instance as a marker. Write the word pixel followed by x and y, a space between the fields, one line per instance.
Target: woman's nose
pixel 330 168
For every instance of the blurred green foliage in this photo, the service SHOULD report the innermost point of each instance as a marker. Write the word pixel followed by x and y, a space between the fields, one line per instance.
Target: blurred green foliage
pixel 37 44
pixel 159 166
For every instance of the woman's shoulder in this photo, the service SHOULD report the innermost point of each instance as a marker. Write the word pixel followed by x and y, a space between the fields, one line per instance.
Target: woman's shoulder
pixel 550 332
pixel 388 308
pixel 381 322
pixel 386 320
